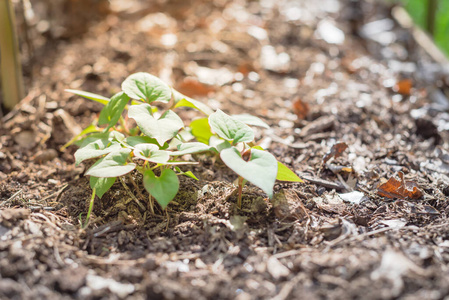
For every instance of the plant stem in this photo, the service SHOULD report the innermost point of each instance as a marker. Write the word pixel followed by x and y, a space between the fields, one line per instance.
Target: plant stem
pixel 123 123
pixel 151 204
pixel 91 206
pixel 239 200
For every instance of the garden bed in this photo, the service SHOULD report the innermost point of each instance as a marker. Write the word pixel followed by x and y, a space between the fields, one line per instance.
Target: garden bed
pixel 317 74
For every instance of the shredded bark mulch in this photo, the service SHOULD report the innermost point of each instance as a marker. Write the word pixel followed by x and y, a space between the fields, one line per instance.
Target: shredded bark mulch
pixel 357 109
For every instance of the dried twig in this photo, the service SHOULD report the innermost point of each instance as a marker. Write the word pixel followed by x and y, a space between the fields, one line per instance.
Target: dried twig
pixel 131 194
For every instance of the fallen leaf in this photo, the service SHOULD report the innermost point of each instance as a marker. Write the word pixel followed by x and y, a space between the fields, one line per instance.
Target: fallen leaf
pixel 245 68
pixel 403 87
pixel 397 187
pixel 192 87
pixel 287 206
pixel 395 223
pixel 336 150
pixel 354 197
pixel 300 108
pixel 331 203
pixel 431 210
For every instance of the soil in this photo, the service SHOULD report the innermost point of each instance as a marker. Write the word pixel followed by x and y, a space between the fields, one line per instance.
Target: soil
pixel 318 72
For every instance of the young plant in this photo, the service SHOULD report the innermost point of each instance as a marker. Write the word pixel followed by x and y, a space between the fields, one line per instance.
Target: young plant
pixel 119 150
pixel 235 144
pixel 159 138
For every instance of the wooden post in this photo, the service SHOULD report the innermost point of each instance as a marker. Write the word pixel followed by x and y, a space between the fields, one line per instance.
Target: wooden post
pixel 10 66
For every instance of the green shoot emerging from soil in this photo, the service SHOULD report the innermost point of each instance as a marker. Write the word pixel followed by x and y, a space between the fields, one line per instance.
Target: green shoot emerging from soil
pixel 152 147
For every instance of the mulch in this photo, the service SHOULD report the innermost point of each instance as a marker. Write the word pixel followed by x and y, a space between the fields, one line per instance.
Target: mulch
pixel 356 107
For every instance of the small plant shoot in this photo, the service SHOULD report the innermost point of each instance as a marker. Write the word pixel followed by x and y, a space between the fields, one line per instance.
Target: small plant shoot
pixel 154 148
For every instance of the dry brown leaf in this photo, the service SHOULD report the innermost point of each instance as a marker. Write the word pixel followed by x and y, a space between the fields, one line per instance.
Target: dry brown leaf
pixel 336 150
pixel 397 187
pixel 287 206
pixel 300 108
pixel 192 87
pixel 403 87
pixel 245 68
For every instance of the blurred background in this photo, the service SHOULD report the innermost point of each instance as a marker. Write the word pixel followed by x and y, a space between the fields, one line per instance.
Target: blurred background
pixel 43 24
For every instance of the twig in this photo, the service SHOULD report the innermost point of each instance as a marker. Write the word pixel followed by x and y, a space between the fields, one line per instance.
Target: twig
pixel 357 237
pixel 139 193
pixel 343 182
pixel 10 198
pixel 57 193
pixel 288 287
pixel 131 194
pixel 325 183
pixel 58 257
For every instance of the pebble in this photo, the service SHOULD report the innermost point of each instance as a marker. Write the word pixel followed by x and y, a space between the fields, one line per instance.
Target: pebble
pixel 44 156
pixel 276 268
pixel 25 139
pixel 96 283
pixel 71 280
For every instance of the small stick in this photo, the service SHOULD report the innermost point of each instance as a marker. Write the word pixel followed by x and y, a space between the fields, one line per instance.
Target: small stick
pixel 131 194
pixel 139 193
pixel 325 183
pixel 11 198
pixel 57 193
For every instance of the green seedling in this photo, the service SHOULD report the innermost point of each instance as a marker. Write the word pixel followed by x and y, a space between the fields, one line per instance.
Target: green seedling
pixel 119 150
pixel 154 146
pixel 250 162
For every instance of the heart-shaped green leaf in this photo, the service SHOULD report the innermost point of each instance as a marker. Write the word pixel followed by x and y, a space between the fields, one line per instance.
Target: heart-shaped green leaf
pixel 147 87
pixel 90 96
pixel 151 152
pixel 112 111
pixel 191 148
pixel 229 128
pixel 162 129
pixel 285 174
pixel 261 169
pixel 101 185
pixel 251 120
pixel 112 165
pixel 163 188
pixel 201 130
pixel 94 149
